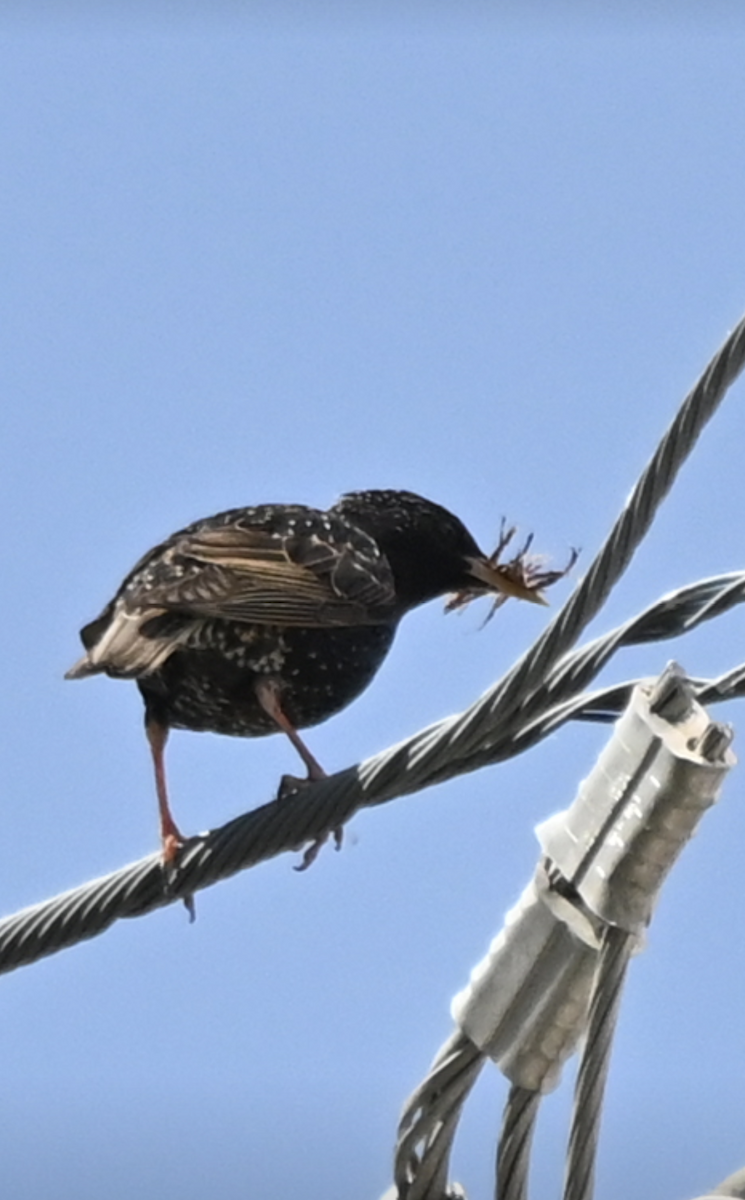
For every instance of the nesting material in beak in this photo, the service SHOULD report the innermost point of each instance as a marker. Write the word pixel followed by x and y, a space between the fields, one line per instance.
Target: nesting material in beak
pixel 506 579
pixel 522 578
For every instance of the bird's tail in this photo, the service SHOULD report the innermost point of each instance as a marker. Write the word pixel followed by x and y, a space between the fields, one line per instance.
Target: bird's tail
pixel 83 667
pixel 125 645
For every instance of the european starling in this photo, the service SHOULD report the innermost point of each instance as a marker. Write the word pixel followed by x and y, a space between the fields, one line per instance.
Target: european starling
pixel 276 617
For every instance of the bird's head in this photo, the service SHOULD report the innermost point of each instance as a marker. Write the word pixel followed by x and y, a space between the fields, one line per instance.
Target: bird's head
pixel 431 552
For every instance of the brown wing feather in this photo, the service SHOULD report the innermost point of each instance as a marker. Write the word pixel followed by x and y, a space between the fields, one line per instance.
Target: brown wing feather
pixel 248 575
pixel 314 570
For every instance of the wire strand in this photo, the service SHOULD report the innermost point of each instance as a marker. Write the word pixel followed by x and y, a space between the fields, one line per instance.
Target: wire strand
pixel 593 1069
pixel 537 695
pixel 513 1152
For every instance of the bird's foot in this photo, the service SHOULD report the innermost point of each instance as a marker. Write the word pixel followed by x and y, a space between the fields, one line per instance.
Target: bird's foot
pixel 172 844
pixel 311 854
pixel 290 785
pixel 170 881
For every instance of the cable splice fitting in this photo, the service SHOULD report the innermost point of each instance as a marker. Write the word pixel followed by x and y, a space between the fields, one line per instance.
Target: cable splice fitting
pixel 605 859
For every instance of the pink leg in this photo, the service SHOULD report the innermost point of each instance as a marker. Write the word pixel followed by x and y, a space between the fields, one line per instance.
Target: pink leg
pixel 268 692
pixel 170 836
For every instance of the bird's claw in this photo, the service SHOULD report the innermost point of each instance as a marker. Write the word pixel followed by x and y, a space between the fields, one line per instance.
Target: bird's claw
pixel 311 854
pixel 172 849
pixel 290 785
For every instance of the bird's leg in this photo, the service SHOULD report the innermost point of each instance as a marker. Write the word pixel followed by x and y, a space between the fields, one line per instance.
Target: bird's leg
pixel 171 838
pixel 170 835
pixel 268 692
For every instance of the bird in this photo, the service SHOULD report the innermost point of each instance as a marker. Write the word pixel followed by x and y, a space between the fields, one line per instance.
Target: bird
pixel 277 616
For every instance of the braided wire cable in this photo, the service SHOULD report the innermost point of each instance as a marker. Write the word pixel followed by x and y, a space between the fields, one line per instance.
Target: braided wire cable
pixel 430 1119
pixel 605 704
pixel 615 954
pixel 687 608
pixel 513 692
pixel 510 716
pixel 674 614
pixel 559 699
pixel 513 1151
pixel 140 888
pixel 522 1106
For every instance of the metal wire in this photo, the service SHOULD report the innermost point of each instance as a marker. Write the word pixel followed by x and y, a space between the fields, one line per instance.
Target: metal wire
pixel 430 1119
pixel 285 825
pixel 513 1152
pixel 512 693
pixel 560 699
pixel 673 615
pixel 593 1069
pixel 522 1106
pixel 537 695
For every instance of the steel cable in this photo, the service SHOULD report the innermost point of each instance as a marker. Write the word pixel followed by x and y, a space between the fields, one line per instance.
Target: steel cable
pixel 537 695
pixel 430 1120
pixel 615 954
pixel 284 825
pixel 513 1153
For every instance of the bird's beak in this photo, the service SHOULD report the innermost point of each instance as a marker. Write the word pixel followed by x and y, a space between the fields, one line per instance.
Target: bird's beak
pixel 498 579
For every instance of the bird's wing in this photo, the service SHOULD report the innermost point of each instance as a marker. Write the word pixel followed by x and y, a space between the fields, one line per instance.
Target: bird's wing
pixel 242 572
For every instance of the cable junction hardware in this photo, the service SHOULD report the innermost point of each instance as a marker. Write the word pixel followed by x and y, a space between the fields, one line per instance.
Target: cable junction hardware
pixel 553 978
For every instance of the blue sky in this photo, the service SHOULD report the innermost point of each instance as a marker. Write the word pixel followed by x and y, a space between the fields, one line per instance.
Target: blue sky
pixel 276 254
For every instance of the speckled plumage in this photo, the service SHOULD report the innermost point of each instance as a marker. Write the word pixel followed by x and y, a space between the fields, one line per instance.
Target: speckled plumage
pixel 278 616
pixel 211 686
